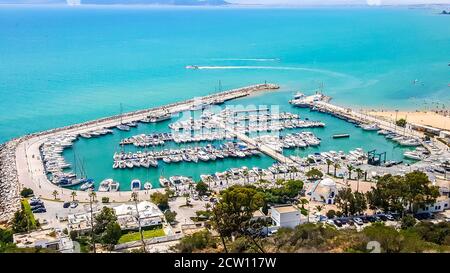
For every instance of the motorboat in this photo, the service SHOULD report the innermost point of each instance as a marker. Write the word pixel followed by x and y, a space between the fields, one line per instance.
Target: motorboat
pixel 105 185
pixel 148 186
pixel 114 186
pixel 136 185
pixel 370 127
pixel 164 182
pixel 413 155
pixel 123 127
pixel 87 185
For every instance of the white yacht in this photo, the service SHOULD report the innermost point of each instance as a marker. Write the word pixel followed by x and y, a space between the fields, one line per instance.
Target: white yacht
pixel 114 186
pixel 105 185
pixel 148 186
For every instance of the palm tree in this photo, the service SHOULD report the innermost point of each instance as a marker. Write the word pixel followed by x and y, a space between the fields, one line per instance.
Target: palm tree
pixel 319 208
pixel 294 170
pixel 246 175
pixel 73 194
pixel 55 194
pixel 135 198
pixel 304 211
pixel 329 163
pixel 227 176
pixel 350 168
pixel 359 173
pixel 91 199
pixel 336 166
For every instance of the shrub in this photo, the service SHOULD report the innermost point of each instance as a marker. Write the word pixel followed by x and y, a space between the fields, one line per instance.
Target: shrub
pixel 105 200
pixel 26 192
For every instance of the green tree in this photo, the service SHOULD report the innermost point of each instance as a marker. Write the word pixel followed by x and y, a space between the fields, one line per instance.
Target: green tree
pixel 21 222
pixel 420 191
pixel 73 194
pixel 102 219
pixel 397 193
pixel 401 122
pixel 314 174
pixel 350 169
pixel 408 221
pixel 202 188
pixel 55 194
pixel 336 166
pixel 329 163
pixel 160 199
pixel 388 237
pixel 233 212
pixel 112 234
pixel 350 203
pixel 197 241
pixel 26 192
pixel 170 216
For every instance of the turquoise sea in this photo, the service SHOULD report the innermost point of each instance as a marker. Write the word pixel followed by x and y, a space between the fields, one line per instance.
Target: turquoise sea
pixel 62 65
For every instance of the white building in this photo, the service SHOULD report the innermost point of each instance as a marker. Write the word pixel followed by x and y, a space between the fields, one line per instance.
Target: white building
pixel 442 203
pixel 286 216
pixel 324 191
pixel 47 238
pixel 149 215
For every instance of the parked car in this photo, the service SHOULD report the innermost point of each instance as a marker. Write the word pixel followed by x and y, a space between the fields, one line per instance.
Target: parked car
pixel 272 232
pixel 377 219
pixel 390 217
pixel 73 205
pixel 337 222
pixel 364 219
pixel 66 205
pixel 36 202
pixel 423 216
pixel 383 217
pixel 39 210
pixel 358 221
pixel 37 207
pixel 371 219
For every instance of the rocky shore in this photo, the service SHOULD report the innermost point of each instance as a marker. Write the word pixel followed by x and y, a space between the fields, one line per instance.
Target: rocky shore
pixel 9 183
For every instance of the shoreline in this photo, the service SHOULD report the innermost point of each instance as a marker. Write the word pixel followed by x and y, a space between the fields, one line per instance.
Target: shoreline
pixel 420 117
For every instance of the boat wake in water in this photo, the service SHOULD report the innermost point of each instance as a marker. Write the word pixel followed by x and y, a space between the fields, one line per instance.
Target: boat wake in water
pixel 248 59
pixel 322 71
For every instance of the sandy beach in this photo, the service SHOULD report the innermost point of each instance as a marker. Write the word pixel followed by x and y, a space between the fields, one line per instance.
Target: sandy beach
pixel 428 118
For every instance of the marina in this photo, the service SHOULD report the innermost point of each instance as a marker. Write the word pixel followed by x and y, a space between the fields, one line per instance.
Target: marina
pixel 192 145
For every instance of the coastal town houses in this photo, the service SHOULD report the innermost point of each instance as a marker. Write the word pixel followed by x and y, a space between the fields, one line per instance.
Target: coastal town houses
pixel 149 215
pixel 52 238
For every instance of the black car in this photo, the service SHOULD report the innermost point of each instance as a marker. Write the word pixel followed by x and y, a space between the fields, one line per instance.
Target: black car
pixel 39 210
pixel 34 203
pixel 423 216
pixel 66 205
pixel 364 219
pixel 383 217
pixel 337 222
pixel 371 219
pixel 37 206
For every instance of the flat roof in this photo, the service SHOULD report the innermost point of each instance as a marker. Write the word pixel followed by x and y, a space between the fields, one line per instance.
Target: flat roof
pixel 285 209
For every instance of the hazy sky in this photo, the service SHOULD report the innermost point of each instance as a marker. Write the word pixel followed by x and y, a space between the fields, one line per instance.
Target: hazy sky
pixel 330 2
pixel 285 2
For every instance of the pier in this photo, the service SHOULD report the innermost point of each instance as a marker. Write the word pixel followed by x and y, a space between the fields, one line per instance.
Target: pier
pixel 28 170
